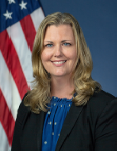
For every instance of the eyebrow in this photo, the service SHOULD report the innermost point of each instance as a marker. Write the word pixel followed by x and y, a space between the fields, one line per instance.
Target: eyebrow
pixel 61 41
pixel 48 41
pixel 65 40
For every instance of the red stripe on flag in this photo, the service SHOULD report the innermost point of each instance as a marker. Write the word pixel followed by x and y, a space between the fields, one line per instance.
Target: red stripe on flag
pixel 29 30
pixel 13 63
pixel 6 119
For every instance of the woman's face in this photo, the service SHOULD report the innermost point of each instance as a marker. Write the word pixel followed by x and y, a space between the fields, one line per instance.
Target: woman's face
pixel 59 54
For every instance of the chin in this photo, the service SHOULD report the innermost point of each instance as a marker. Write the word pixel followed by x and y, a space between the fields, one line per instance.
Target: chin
pixel 60 75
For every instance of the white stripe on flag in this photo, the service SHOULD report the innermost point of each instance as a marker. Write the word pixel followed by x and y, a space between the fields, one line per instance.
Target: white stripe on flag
pixel 8 88
pixel 37 17
pixel 17 36
pixel 4 145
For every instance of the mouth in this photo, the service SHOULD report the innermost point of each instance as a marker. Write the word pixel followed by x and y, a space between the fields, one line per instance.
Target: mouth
pixel 59 62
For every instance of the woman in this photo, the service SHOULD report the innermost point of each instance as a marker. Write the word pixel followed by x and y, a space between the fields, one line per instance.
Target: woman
pixel 66 109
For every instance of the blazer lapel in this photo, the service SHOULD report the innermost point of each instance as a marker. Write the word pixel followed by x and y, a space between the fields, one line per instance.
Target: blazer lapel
pixel 69 122
pixel 40 122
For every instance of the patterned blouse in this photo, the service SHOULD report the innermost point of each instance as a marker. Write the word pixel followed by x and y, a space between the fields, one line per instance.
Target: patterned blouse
pixel 54 121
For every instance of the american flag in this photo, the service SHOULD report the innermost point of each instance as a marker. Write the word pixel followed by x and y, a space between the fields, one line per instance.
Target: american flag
pixel 19 21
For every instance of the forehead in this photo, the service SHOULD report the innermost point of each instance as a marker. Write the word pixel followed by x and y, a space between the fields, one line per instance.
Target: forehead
pixel 60 31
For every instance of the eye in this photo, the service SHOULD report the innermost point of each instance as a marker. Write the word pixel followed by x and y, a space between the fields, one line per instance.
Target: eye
pixel 49 45
pixel 66 44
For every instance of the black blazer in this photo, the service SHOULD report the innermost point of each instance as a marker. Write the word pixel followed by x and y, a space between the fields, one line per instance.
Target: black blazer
pixel 86 128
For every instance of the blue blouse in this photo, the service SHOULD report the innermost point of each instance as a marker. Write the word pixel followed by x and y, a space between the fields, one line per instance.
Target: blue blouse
pixel 54 121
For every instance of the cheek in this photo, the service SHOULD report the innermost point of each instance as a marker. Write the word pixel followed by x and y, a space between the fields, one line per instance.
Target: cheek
pixel 73 56
pixel 45 56
pixel 74 59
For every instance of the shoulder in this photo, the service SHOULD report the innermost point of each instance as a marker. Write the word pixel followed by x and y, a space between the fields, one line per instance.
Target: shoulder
pixel 101 112
pixel 100 101
pixel 101 97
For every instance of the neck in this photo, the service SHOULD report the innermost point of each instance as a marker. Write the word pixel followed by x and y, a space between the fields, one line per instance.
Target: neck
pixel 62 87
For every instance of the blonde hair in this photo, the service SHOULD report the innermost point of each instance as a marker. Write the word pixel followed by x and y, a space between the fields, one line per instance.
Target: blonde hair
pixel 39 96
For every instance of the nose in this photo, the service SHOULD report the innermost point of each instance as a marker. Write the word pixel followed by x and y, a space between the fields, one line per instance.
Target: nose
pixel 58 51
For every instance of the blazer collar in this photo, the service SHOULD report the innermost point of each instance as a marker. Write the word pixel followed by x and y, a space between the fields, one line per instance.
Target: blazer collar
pixel 69 122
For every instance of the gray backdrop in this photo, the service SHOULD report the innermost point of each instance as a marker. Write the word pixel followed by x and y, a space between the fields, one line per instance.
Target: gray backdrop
pixel 98 20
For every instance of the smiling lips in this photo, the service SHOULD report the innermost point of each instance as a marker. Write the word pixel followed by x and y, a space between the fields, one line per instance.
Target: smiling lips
pixel 58 63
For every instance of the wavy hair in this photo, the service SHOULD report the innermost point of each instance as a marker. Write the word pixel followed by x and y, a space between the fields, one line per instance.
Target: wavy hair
pixel 39 96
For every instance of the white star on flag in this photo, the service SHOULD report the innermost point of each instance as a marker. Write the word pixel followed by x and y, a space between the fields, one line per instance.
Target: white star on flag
pixel 23 5
pixel 8 15
pixel 11 1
